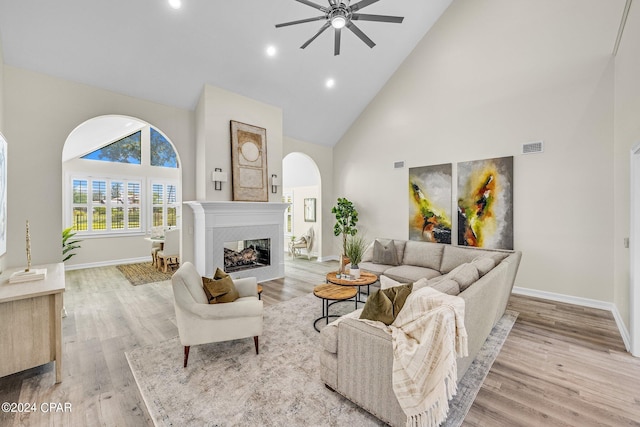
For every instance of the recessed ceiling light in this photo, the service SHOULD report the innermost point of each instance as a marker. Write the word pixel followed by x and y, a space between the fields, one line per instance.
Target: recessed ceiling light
pixel 330 83
pixel 271 51
pixel 176 4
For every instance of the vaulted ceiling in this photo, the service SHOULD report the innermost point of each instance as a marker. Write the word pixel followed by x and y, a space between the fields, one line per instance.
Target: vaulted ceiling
pixel 146 49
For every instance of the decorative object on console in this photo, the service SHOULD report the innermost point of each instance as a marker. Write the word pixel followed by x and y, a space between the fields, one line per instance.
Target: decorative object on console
pixel 485 203
pixel 249 160
pixel 340 14
pixel 28 274
pixel 430 212
pixel 346 220
pixel 218 177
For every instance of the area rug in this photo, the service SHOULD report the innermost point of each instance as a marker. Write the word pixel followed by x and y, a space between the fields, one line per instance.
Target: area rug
pixel 227 384
pixel 139 274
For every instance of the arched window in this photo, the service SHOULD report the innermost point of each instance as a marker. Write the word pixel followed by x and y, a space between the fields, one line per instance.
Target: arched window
pixel 124 186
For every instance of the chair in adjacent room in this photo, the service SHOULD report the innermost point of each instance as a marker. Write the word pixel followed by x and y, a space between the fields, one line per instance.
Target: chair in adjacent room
pixel 170 252
pixel 200 322
pixel 304 242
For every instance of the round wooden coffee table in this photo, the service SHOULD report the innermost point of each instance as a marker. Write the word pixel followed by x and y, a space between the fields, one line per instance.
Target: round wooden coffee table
pixel 335 293
pixel 365 279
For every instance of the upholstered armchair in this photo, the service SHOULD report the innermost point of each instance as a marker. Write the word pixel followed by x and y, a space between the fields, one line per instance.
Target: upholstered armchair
pixel 304 242
pixel 200 322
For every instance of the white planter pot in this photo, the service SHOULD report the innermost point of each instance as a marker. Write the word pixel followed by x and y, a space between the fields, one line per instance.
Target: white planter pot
pixel 355 272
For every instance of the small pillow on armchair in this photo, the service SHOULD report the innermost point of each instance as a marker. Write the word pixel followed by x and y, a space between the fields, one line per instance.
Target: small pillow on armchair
pixel 220 289
pixel 385 304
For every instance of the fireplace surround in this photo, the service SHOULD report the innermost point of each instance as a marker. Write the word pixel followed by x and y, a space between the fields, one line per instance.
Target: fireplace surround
pixel 220 223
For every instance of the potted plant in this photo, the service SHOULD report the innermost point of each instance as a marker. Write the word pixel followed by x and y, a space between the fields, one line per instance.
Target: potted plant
pixel 356 245
pixel 68 243
pixel 346 220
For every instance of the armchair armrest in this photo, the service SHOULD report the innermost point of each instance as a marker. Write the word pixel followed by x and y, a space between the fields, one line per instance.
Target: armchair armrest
pixel 247 286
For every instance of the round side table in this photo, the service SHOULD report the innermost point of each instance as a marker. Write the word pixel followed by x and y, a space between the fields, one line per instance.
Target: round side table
pixel 335 293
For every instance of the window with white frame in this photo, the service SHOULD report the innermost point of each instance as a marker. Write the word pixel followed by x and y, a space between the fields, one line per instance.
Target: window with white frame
pixel 164 204
pixel 126 186
pixel 105 205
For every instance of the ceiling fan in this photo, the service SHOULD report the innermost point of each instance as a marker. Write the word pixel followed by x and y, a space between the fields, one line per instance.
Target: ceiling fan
pixel 340 14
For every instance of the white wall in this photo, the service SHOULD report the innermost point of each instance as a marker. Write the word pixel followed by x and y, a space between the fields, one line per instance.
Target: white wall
pixel 40 112
pixel 627 134
pixel 2 130
pixel 216 108
pixel 323 158
pixel 489 76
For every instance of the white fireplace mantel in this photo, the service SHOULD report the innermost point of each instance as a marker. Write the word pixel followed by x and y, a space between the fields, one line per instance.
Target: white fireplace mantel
pixel 218 222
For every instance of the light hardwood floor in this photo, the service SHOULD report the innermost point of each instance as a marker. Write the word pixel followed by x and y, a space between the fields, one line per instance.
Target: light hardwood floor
pixel 562 365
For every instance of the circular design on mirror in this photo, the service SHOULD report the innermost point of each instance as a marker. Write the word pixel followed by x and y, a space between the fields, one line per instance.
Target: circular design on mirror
pixel 250 151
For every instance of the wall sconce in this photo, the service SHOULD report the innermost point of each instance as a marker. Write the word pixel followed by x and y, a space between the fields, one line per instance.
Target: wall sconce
pixel 218 177
pixel 275 182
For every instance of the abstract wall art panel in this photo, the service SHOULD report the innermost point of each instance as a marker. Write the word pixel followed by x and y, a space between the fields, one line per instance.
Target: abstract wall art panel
pixel 430 203
pixel 485 203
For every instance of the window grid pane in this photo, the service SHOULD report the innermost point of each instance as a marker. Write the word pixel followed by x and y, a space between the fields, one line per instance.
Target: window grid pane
pixel 80 191
pixel 158 214
pixel 79 219
pixel 133 193
pixel 99 218
pixel 134 218
pixel 99 191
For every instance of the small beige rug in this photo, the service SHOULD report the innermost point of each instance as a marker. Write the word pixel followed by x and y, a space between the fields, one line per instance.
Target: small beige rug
pixel 139 274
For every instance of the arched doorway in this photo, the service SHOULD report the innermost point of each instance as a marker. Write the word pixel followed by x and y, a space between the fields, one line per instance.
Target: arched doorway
pixel 121 177
pixel 302 188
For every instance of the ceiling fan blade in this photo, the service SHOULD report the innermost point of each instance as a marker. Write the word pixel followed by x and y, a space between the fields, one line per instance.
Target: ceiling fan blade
pixel 301 21
pixel 361 4
pixel 320 31
pixel 336 46
pixel 360 34
pixel 312 4
pixel 377 18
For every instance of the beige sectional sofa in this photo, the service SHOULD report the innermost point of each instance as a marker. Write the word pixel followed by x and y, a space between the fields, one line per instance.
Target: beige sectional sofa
pixel 357 358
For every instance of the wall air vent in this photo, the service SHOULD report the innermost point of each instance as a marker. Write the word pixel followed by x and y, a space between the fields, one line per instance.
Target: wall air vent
pixel 533 147
pixel 398 165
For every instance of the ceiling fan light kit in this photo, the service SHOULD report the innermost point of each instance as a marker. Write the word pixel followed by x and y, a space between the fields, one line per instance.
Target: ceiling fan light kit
pixel 340 14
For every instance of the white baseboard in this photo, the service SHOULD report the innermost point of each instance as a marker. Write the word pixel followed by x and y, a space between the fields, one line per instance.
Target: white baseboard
pixel 107 263
pixel 584 302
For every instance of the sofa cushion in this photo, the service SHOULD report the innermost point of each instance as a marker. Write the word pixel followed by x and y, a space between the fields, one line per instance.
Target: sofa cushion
pixel 447 286
pixel 385 253
pixel 484 264
pixel 465 274
pixel 374 268
pixel 423 254
pixel 385 304
pixel 454 256
pixel 367 255
pixel 410 273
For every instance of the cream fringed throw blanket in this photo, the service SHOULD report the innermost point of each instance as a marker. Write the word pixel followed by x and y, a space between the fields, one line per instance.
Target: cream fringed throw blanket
pixel 428 335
